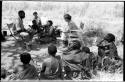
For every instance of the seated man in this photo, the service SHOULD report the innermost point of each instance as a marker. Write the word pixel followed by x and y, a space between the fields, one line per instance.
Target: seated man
pixel 25 71
pixel 19 26
pixel 51 68
pixel 107 48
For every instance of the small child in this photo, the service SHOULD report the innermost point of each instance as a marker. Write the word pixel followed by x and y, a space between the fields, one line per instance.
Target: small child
pixel 89 63
pixel 34 25
pixel 107 48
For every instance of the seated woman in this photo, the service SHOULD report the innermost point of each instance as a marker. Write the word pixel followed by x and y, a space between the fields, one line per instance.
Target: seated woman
pixel 89 63
pixel 107 48
pixel 49 32
pixel 25 71
pixel 72 59
pixel 51 67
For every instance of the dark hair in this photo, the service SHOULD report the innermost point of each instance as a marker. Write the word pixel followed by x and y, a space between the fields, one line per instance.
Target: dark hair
pixel 34 22
pixel 21 12
pixel 109 37
pixel 35 13
pixel 67 16
pixel 25 58
pixel 75 44
pixel 52 50
pixel 86 49
pixel 50 21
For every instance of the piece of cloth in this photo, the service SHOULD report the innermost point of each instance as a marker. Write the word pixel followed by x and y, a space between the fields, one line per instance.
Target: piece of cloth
pixel 27 72
pixel 73 58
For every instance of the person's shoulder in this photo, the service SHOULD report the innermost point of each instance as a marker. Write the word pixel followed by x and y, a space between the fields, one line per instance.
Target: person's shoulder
pixel 47 60
pixel 32 66
pixel 72 22
pixel 39 17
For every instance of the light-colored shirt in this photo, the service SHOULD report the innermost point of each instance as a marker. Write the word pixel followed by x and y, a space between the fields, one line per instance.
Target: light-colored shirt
pixel 18 24
pixel 67 30
pixel 38 20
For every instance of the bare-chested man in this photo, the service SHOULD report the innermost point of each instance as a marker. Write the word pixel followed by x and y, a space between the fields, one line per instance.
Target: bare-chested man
pixel 19 26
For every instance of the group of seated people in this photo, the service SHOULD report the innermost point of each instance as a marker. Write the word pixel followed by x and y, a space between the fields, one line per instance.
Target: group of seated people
pixel 44 32
pixel 75 59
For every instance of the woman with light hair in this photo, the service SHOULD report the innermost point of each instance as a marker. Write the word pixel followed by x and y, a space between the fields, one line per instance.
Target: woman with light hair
pixel 68 30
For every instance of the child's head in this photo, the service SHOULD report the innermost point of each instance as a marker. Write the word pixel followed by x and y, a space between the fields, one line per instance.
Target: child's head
pixel 21 14
pixel 75 44
pixel 34 22
pixel 52 50
pixel 86 49
pixel 67 17
pixel 25 58
pixel 35 14
pixel 49 23
pixel 109 37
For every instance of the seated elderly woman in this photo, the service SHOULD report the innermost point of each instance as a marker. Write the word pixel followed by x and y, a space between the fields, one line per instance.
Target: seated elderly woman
pixel 89 63
pixel 79 60
pixel 72 59
pixel 26 71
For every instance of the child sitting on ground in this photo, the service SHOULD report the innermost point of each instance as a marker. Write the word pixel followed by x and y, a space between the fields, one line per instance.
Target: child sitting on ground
pixel 51 68
pixel 89 63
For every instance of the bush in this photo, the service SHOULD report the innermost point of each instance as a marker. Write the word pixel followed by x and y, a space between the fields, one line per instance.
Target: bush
pixel 89 36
